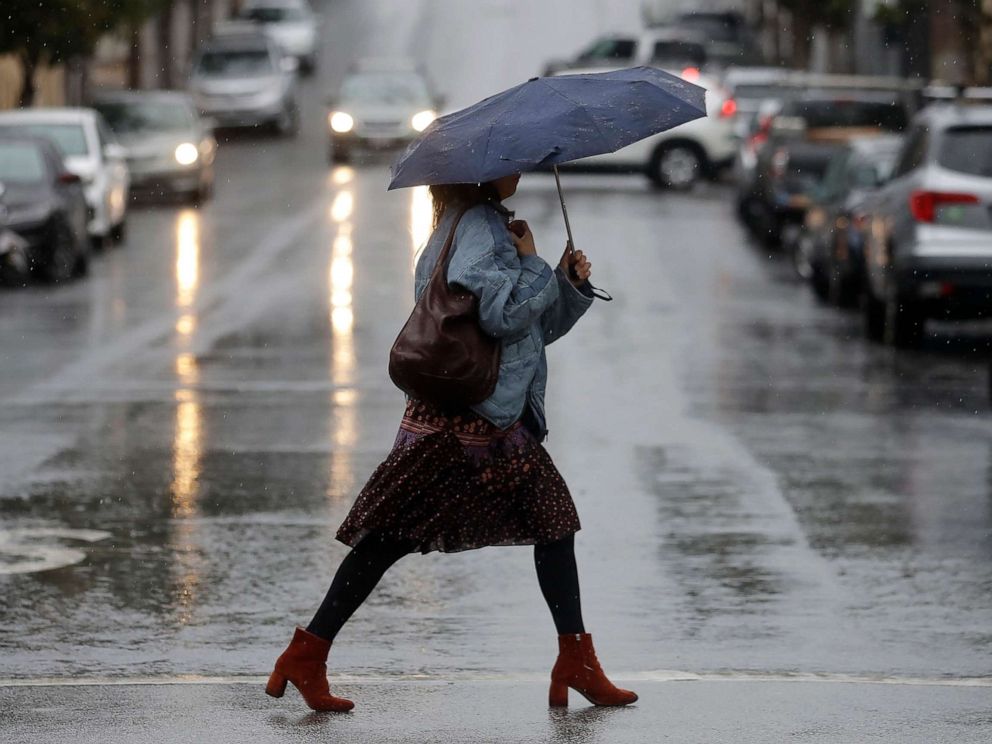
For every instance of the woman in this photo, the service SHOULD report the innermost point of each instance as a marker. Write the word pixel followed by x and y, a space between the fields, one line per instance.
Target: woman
pixel 463 480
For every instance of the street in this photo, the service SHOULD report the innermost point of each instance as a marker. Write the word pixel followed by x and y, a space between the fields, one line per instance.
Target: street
pixel 763 493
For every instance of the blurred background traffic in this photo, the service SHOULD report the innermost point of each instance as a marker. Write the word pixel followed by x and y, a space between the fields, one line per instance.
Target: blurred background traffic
pixel 856 135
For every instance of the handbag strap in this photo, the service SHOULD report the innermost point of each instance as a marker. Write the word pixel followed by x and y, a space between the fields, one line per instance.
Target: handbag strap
pixel 443 259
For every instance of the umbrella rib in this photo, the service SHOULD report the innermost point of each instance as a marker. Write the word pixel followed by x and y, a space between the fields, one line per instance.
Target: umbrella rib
pixel 583 109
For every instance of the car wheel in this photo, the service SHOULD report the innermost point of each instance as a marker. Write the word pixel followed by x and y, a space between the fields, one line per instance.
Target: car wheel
pixel 338 155
pixel 904 322
pixel 119 231
pixel 63 257
pixel 677 166
pixel 873 312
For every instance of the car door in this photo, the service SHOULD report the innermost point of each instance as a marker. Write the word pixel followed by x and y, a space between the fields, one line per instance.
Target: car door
pixel 113 160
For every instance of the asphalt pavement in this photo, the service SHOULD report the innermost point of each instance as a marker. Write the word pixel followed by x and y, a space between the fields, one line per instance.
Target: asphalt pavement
pixel 787 530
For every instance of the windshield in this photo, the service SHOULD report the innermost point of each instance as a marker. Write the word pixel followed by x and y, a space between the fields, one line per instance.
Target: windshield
pixel 967 150
pixel 69 138
pixel 381 87
pixel 146 116
pixel 846 113
pixel 248 63
pixel 274 14
pixel 610 49
pixel 20 164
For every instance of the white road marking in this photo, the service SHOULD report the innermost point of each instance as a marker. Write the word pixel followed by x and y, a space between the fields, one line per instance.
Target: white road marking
pixel 661 675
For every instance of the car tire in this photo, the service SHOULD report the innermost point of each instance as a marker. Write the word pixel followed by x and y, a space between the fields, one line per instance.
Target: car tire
pixel 338 155
pixel 904 323
pixel 61 261
pixel 119 231
pixel 677 166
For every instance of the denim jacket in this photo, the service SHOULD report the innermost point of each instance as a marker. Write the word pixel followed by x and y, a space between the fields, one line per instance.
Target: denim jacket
pixel 522 301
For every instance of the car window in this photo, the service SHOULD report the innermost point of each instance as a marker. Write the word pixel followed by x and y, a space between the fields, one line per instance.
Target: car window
pixel 69 138
pixel 822 113
pixel 20 164
pixel 913 153
pixel 235 63
pixel 967 150
pixel 274 14
pixel 678 51
pixel 834 181
pixel 610 49
pixel 146 116
pixel 382 87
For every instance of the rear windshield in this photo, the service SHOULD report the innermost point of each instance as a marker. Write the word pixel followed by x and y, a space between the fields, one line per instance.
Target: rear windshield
pixel 235 63
pixel 20 164
pixel 967 150
pixel 274 14
pixel 386 88
pixel 69 138
pixel 890 117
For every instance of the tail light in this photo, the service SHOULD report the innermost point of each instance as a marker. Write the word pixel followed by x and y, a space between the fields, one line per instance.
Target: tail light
pixel 690 73
pixel 923 204
pixel 729 108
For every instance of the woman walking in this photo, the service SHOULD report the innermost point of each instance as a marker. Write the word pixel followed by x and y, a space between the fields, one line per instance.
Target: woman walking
pixel 460 480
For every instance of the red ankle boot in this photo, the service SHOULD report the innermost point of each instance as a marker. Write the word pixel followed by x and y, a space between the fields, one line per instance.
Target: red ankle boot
pixel 577 667
pixel 304 663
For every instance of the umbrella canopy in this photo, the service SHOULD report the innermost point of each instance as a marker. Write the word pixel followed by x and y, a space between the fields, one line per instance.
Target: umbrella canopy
pixel 547 121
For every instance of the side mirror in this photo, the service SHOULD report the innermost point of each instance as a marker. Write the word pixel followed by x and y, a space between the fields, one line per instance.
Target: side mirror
pixel 67 178
pixel 113 151
pixel 289 64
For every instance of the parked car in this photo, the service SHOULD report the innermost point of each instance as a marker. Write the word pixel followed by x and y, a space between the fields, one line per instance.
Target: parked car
pixel 748 88
pixel 170 148
pixel 44 203
pixel 829 252
pixel 91 152
pixel 929 253
pixel 767 203
pixel 289 23
pixel 243 80
pixel 666 48
pixel 381 104
pixel 677 158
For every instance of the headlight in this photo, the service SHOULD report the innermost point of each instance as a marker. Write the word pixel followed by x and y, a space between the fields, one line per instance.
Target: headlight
pixel 341 122
pixel 187 154
pixel 422 120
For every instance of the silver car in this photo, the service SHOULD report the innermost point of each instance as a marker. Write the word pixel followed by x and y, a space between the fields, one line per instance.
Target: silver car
pixel 289 23
pixel 243 80
pixel 170 149
pixel 929 246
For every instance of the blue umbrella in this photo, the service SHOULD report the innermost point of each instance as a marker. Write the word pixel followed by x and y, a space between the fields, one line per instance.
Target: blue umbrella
pixel 547 121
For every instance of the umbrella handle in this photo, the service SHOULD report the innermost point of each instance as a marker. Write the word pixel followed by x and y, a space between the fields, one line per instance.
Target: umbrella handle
pixel 570 245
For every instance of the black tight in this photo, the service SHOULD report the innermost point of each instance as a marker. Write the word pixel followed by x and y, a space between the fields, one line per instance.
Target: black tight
pixel 362 568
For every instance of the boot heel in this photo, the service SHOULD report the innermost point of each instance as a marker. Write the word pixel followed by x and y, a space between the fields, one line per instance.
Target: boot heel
pixel 558 695
pixel 276 686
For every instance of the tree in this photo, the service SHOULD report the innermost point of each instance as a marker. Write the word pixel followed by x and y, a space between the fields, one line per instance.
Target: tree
pixel 807 15
pixel 53 32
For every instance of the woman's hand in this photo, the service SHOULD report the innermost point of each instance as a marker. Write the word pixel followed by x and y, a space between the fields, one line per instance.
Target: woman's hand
pixel 576 267
pixel 523 238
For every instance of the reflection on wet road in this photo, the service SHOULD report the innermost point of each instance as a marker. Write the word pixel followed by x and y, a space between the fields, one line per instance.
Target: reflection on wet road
pixel 760 489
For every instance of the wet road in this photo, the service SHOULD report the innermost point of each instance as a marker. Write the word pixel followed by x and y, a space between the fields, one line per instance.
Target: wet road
pixel 760 489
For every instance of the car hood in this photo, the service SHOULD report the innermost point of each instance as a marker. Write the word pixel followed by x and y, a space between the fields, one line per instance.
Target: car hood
pixel 381 112
pixel 141 145
pixel 234 86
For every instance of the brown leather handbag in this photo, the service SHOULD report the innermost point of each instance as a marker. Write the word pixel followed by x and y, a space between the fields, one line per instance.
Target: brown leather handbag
pixel 442 355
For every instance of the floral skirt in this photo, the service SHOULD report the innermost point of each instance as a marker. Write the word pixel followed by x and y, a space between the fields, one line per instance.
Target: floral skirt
pixel 457 482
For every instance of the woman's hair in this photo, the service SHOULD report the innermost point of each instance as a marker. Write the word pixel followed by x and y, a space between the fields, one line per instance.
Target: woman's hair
pixel 462 194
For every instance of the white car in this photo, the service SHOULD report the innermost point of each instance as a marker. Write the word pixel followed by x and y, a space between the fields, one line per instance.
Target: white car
pixel 91 151
pixel 382 103
pixel 679 157
pixel 291 24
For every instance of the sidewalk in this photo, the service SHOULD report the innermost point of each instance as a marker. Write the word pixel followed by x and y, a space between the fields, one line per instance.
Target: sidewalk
pixel 465 712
